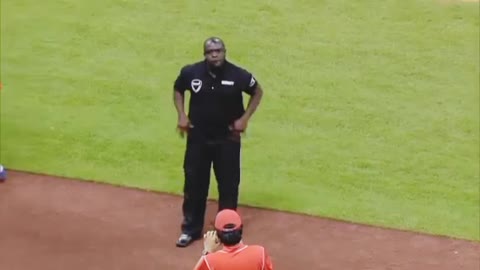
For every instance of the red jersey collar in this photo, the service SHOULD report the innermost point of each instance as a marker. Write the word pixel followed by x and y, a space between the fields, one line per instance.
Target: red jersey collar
pixel 231 249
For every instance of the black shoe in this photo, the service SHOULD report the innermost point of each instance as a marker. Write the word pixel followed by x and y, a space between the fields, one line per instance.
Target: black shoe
pixel 185 240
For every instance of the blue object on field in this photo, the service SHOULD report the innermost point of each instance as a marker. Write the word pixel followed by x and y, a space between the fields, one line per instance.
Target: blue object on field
pixel 3 173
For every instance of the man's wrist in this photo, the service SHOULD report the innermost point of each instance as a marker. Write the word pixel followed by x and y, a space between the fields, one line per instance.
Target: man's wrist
pixel 246 117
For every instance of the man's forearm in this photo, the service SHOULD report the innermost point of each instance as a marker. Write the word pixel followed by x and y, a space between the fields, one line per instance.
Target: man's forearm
pixel 253 103
pixel 179 101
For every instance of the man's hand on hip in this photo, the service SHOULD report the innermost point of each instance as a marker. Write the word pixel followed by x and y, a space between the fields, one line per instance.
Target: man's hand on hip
pixel 183 125
pixel 240 125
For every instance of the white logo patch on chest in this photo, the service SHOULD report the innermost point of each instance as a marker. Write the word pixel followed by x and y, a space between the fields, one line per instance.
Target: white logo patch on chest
pixel 196 85
pixel 228 83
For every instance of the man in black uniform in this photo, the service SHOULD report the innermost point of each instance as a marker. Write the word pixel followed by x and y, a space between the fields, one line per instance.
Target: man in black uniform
pixel 214 124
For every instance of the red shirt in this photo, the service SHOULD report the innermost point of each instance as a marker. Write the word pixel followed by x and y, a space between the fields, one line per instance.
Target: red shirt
pixel 239 257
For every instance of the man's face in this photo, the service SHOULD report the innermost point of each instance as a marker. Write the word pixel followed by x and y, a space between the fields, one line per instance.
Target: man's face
pixel 214 53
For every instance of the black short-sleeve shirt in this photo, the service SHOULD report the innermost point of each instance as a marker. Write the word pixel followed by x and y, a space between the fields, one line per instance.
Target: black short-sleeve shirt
pixel 215 102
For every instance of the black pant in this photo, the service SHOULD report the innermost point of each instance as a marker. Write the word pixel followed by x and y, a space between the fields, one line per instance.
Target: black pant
pixel 199 157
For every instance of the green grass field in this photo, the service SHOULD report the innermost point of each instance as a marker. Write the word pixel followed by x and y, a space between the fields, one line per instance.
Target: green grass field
pixel 370 114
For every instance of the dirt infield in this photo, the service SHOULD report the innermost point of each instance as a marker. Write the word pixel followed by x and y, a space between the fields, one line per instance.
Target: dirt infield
pixel 54 223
